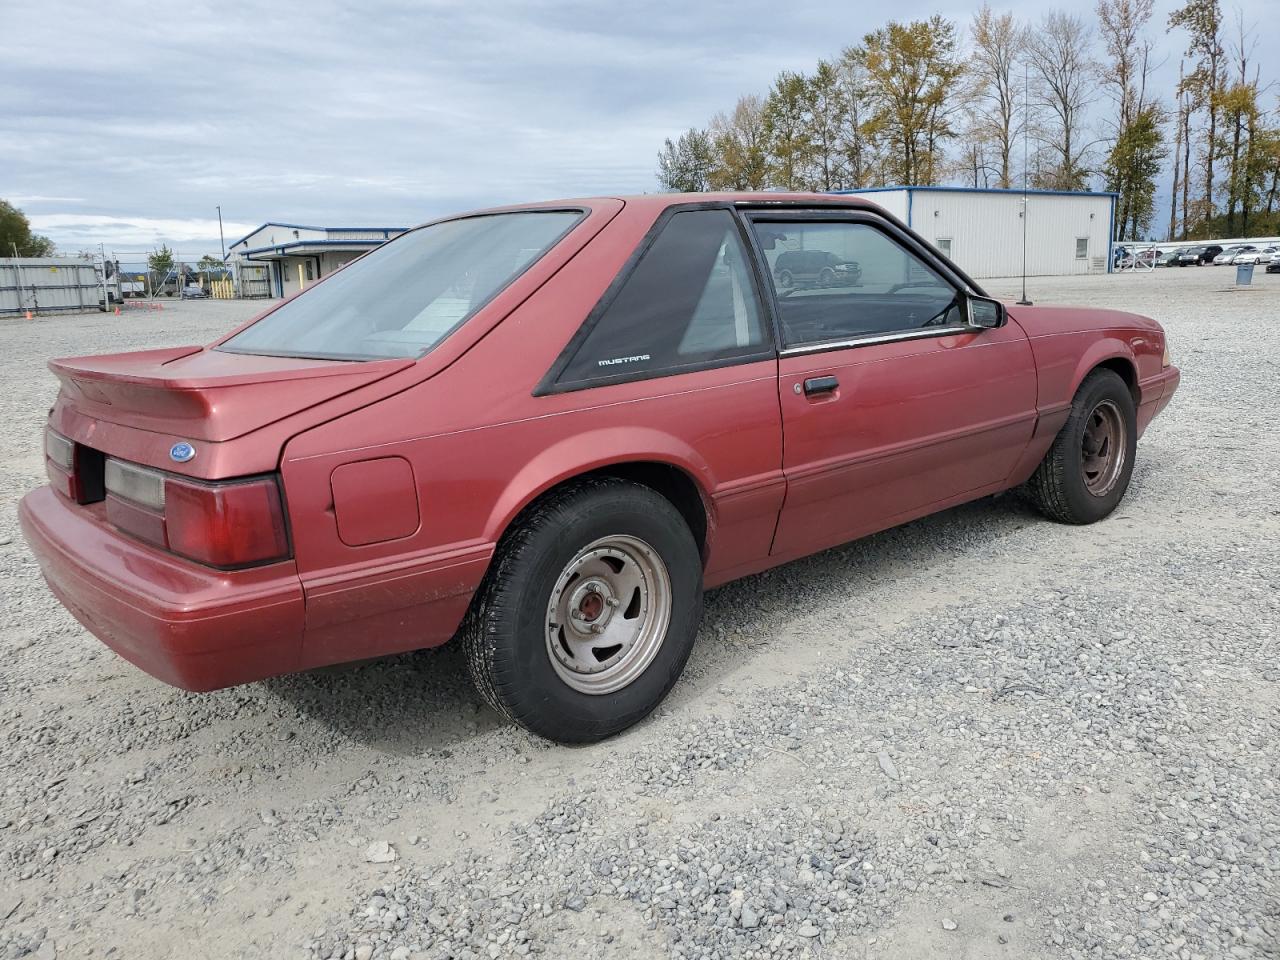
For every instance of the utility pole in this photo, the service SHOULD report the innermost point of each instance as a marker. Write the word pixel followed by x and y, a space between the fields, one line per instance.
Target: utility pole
pixel 106 299
pixel 221 239
pixel 1026 106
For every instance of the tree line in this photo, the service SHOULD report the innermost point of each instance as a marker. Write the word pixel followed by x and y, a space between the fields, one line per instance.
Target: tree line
pixel 1065 103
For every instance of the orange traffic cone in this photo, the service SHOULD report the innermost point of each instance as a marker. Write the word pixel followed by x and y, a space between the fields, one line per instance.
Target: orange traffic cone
pixel 117 311
pixel 28 314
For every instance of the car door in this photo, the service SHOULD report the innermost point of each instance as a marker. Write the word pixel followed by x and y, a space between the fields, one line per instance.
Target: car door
pixel 891 404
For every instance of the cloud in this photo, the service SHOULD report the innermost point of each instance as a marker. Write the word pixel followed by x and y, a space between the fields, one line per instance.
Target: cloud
pixel 130 234
pixel 389 111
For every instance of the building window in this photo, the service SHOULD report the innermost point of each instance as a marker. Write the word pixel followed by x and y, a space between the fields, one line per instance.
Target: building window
pixel 309 276
pixel 1082 248
pixel 944 245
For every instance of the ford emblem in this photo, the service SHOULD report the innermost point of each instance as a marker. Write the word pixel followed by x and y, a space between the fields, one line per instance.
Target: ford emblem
pixel 182 452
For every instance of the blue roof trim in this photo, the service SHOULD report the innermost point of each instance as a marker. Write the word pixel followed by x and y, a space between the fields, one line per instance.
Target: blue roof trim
pixel 314 243
pixel 1015 191
pixel 305 226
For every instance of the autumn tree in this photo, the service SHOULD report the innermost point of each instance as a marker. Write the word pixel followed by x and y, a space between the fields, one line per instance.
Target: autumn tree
pixel 996 95
pixel 1063 85
pixel 912 74
pixel 738 140
pixel 828 108
pixel 1202 19
pixel 15 234
pixel 1132 167
pixel 1134 160
pixel 685 165
pixel 788 133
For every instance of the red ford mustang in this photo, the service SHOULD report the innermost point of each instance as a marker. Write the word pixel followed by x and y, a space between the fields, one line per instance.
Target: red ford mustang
pixel 547 429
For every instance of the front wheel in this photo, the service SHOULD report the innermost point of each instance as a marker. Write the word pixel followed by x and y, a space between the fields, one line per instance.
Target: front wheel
pixel 589 612
pixel 1087 469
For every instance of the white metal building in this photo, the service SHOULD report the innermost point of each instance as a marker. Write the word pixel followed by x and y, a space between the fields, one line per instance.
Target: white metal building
pixel 298 255
pixel 981 229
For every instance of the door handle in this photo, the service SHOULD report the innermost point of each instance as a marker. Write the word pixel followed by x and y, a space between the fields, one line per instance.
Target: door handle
pixel 817 385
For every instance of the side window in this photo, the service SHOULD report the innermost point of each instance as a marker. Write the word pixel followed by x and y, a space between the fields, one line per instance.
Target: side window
pixel 688 302
pixel 1082 248
pixel 844 280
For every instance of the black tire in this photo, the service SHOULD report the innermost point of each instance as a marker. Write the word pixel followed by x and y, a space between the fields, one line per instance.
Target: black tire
pixel 1060 487
pixel 786 280
pixel 505 633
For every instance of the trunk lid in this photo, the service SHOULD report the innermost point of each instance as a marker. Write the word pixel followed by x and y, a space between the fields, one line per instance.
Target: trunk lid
pixel 203 394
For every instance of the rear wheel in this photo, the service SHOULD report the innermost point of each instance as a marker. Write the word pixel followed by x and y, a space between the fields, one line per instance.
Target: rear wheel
pixel 1086 472
pixel 786 280
pixel 589 611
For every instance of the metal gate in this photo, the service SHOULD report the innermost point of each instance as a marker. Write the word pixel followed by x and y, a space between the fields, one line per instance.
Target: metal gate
pixel 47 285
pixel 254 280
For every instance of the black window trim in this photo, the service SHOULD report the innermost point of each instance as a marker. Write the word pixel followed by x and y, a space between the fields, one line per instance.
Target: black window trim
pixel 886 224
pixel 551 384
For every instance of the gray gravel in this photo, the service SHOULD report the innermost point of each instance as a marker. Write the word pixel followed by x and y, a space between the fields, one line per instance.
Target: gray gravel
pixel 980 735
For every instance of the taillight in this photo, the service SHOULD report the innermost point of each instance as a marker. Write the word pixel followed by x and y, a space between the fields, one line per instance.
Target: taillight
pixel 75 471
pixel 233 523
pixel 226 524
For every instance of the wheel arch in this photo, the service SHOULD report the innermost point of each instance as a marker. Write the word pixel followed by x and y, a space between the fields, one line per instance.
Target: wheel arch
pixel 1127 370
pixel 1109 354
pixel 679 475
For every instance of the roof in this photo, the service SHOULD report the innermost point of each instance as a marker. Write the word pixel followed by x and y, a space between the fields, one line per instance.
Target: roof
pixel 305 226
pixel 1005 190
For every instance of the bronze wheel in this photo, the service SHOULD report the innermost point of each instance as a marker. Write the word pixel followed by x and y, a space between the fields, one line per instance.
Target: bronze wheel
pixel 1087 468
pixel 1103 449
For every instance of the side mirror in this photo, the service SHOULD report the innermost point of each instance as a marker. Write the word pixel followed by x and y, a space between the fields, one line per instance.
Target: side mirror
pixel 985 313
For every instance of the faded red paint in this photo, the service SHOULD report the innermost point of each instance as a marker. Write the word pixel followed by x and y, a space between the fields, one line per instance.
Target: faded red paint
pixel 915 426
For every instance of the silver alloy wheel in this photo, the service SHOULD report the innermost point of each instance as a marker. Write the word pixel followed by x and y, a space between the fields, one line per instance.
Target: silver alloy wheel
pixel 608 614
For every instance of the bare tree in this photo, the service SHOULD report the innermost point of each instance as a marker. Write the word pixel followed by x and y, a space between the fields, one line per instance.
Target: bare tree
pixel 1202 19
pixel 1058 50
pixel 861 154
pixel 1180 123
pixel 995 103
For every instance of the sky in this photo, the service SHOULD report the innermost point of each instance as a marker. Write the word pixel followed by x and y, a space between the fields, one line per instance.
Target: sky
pixel 129 124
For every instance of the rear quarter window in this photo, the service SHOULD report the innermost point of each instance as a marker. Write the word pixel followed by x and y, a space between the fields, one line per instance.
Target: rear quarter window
pixel 689 302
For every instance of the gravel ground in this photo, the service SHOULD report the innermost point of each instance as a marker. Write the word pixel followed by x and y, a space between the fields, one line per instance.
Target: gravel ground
pixel 979 735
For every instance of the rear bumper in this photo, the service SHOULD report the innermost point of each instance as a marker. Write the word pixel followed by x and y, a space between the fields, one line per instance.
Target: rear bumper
pixel 190 626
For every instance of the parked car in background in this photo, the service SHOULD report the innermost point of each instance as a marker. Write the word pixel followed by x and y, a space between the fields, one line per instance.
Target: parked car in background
pixel 806 267
pixel 1273 266
pixel 1119 254
pixel 1209 252
pixel 1170 257
pixel 193 291
pixel 1254 255
pixel 546 429
pixel 1246 254
pixel 1191 256
pixel 1228 255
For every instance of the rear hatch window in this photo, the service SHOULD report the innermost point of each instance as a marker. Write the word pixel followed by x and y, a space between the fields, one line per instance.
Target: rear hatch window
pixel 403 298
